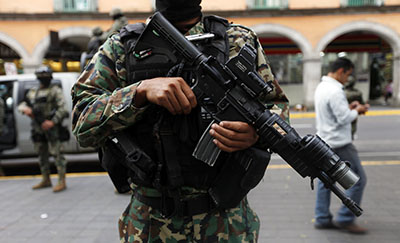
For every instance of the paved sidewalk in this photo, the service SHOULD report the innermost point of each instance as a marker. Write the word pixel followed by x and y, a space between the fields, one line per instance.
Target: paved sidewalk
pixel 88 210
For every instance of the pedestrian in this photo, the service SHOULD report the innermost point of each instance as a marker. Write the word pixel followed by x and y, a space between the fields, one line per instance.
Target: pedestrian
pixel 388 92
pixel 376 79
pixel 333 119
pixel 105 103
pixel 45 105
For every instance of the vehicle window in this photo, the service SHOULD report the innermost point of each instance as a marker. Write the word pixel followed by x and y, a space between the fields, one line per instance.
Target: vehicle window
pixel 6 89
pixel 7 133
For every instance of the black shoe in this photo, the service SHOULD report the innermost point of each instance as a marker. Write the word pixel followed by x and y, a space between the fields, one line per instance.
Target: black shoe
pixel 329 225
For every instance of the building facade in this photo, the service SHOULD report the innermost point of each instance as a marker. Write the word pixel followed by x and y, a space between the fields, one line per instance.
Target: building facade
pixel 301 37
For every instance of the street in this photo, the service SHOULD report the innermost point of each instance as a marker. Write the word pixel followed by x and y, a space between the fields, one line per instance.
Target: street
pixel 88 210
pixel 285 202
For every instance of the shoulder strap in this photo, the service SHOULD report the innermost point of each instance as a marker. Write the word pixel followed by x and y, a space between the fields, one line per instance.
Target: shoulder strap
pixel 218 26
pixel 129 35
pixel 52 91
pixel 131 30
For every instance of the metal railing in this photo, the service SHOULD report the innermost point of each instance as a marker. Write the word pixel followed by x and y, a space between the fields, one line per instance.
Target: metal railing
pixel 270 4
pixel 75 5
pixel 356 3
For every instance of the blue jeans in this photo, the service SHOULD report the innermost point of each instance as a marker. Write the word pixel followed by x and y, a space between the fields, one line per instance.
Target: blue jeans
pixel 344 216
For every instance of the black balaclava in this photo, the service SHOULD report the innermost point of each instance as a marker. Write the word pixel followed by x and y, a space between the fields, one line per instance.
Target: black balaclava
pixel 179 10
pixel 45 75
pixel 45 82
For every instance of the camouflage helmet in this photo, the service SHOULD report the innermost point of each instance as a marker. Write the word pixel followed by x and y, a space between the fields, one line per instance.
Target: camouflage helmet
pixel 115 12
pixel 97 31
pixel 44 72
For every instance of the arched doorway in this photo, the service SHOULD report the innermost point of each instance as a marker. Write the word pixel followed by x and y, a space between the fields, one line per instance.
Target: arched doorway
pixel 10 61
pixel 372 57
pixel 11 54
pixel 288 52
pixel 62 49
pixel 285 58
pixel 362 42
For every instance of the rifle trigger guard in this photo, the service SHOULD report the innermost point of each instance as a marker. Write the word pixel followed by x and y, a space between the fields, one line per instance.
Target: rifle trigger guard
pixel 223 104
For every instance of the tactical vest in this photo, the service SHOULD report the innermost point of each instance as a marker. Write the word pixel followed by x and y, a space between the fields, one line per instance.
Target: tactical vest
pixel 185 129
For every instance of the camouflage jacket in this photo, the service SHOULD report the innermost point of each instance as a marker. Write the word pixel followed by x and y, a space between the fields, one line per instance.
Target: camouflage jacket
pixel 103 101
pixel 52 108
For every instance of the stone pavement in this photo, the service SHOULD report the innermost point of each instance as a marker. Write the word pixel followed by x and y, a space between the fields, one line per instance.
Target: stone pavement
pixel 88 210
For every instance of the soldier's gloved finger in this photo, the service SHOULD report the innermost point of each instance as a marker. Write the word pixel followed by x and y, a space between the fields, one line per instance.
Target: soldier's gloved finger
pixel 224 147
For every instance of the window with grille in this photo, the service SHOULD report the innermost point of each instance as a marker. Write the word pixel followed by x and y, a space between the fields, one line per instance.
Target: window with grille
pixel 75 5
pixel 270 4
pixel 356 3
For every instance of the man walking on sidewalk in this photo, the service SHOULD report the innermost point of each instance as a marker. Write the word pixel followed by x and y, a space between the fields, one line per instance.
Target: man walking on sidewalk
pixel 333 119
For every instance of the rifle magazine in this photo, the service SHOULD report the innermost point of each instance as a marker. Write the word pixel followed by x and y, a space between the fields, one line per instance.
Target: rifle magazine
pixel 206 150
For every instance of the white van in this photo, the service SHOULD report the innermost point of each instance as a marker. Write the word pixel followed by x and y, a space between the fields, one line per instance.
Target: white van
pixel 15 140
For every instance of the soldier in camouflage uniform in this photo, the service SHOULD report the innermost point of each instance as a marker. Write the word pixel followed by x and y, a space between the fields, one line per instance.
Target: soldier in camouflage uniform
pixel 119 21
pixel 105 103
pixel 45 105
pixel 353 95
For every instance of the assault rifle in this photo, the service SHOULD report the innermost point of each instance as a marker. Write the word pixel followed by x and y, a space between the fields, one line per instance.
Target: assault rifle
pixel 38 115
pixel 235 88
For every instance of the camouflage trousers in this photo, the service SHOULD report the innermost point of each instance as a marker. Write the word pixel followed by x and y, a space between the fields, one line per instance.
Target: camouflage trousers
pixel 141 223
pixel 44 150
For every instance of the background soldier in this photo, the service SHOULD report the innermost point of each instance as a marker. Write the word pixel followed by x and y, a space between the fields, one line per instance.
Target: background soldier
pixel 95 41
pixel 45 105
pixel 353 94
pixel 105 103
pixel 119 21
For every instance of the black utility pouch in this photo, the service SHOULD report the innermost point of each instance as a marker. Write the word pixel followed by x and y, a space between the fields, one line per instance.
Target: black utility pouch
pixel 110 158
pixel 63 133
pixel 242 171
pixel 38 137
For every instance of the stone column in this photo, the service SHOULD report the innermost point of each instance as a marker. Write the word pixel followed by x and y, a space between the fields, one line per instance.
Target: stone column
pixel 312 66
pixel 30 65
pixel 396 79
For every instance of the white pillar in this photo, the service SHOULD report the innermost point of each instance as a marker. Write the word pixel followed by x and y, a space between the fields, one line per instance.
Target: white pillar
pixel 30 65
pixel 396 80
pixel 311 77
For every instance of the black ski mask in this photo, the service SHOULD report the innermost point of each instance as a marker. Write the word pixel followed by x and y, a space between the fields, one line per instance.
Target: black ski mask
pixel 45 81
pixel 179 10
